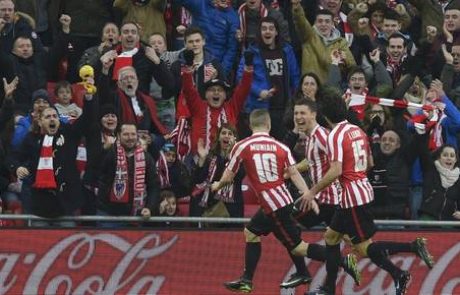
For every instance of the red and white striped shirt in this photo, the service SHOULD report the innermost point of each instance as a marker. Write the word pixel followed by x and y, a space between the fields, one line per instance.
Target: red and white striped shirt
pixel 264 160
pixel 318 161
pixel 349 145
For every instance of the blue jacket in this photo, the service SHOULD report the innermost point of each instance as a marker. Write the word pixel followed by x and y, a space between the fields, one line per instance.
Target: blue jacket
pixel 219 26
pixel 261 80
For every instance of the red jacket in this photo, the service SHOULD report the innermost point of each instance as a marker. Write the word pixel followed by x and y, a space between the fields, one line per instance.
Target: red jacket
pixel 199 108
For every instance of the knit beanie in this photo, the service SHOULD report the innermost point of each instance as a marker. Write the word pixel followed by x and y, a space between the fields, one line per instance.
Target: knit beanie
pixel 107 109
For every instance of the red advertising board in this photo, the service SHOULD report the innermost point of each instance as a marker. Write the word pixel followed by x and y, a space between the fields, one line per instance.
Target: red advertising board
pixel 193 262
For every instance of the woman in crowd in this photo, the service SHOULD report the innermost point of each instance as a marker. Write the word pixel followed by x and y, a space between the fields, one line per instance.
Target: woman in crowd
pixel 211 164
pixel 441 185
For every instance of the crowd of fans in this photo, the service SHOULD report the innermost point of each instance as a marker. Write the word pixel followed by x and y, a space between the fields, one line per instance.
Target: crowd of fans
pixel 131 107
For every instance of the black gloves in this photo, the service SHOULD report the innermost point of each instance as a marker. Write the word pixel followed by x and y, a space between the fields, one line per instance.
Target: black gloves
pixel 248 58
pixel 188 56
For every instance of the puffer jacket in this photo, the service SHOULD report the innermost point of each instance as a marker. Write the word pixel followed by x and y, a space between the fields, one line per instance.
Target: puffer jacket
pixel 261 79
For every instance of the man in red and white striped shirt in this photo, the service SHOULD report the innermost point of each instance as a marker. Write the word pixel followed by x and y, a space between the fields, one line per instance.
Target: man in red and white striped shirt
pixel 316 162
pixel 350 157
pixel 265 161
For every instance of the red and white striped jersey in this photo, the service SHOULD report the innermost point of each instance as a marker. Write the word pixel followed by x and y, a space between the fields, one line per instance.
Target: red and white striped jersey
pixel 264 160
pixel 318 162
pixel 349 145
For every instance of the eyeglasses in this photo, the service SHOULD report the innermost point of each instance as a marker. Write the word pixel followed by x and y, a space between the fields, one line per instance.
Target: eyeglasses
pixel 377 112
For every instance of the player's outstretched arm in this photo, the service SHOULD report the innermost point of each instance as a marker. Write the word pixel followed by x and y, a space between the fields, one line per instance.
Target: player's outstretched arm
pixel 226 178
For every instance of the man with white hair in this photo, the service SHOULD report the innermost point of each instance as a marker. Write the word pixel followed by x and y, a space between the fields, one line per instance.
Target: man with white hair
pixel 132 105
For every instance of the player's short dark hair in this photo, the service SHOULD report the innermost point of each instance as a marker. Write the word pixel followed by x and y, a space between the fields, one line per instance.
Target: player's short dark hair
pixel 306 102
pixel 332 105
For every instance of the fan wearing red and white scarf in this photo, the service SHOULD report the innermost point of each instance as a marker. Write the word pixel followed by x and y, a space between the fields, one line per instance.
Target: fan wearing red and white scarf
pixel 394 68
pixel 120 190
pixel 263 11
pixel 44 178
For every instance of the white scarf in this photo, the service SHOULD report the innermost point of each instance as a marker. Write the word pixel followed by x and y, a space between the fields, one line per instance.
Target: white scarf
pixel 448 177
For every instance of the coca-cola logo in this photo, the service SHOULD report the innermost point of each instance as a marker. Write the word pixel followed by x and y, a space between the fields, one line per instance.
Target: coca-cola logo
pixel 80 249
pixel 195 262
pixel 377 281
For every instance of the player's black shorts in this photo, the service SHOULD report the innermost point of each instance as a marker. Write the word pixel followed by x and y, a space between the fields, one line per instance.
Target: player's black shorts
pixel 310 219
pixel 356 222
pixel 280 223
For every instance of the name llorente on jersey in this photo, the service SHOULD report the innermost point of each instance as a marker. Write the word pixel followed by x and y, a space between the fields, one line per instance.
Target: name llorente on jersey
pixel 354 134
pixel 263 147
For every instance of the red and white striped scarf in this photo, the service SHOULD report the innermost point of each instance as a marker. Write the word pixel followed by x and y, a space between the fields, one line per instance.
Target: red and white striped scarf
pixel 394 68
pixel 120 190
pixel 163 171
pixel 346 28
pixel 220 120
pixel 180 136
pixel 359 109
pixel 44 178
pixel 242 14
pixel 204 188
pixel 433 125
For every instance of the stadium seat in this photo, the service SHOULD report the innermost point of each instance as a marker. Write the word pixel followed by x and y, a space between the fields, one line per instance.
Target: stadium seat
pixel 183 206
pixel 77 93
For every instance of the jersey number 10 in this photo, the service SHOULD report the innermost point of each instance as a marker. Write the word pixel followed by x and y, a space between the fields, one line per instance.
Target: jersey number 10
pixel 266 166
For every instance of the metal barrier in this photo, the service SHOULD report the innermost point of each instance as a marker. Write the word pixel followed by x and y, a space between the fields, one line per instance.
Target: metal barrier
pixel 29 217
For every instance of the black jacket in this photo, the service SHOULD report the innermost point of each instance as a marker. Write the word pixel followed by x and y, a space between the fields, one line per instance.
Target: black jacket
pixel 34 72
pixel 107 176
pixel 67 197
pixel 438 202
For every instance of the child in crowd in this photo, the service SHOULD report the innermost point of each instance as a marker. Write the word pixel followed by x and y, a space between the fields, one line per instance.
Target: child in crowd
pixel 64 106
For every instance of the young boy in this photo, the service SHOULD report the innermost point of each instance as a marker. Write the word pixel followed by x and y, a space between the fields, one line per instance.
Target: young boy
pixel 63 92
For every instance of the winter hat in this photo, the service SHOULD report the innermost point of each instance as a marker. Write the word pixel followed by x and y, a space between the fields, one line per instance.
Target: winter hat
pixel 215 82
pixel 107 109
pixel 40 93
pixel 168 147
